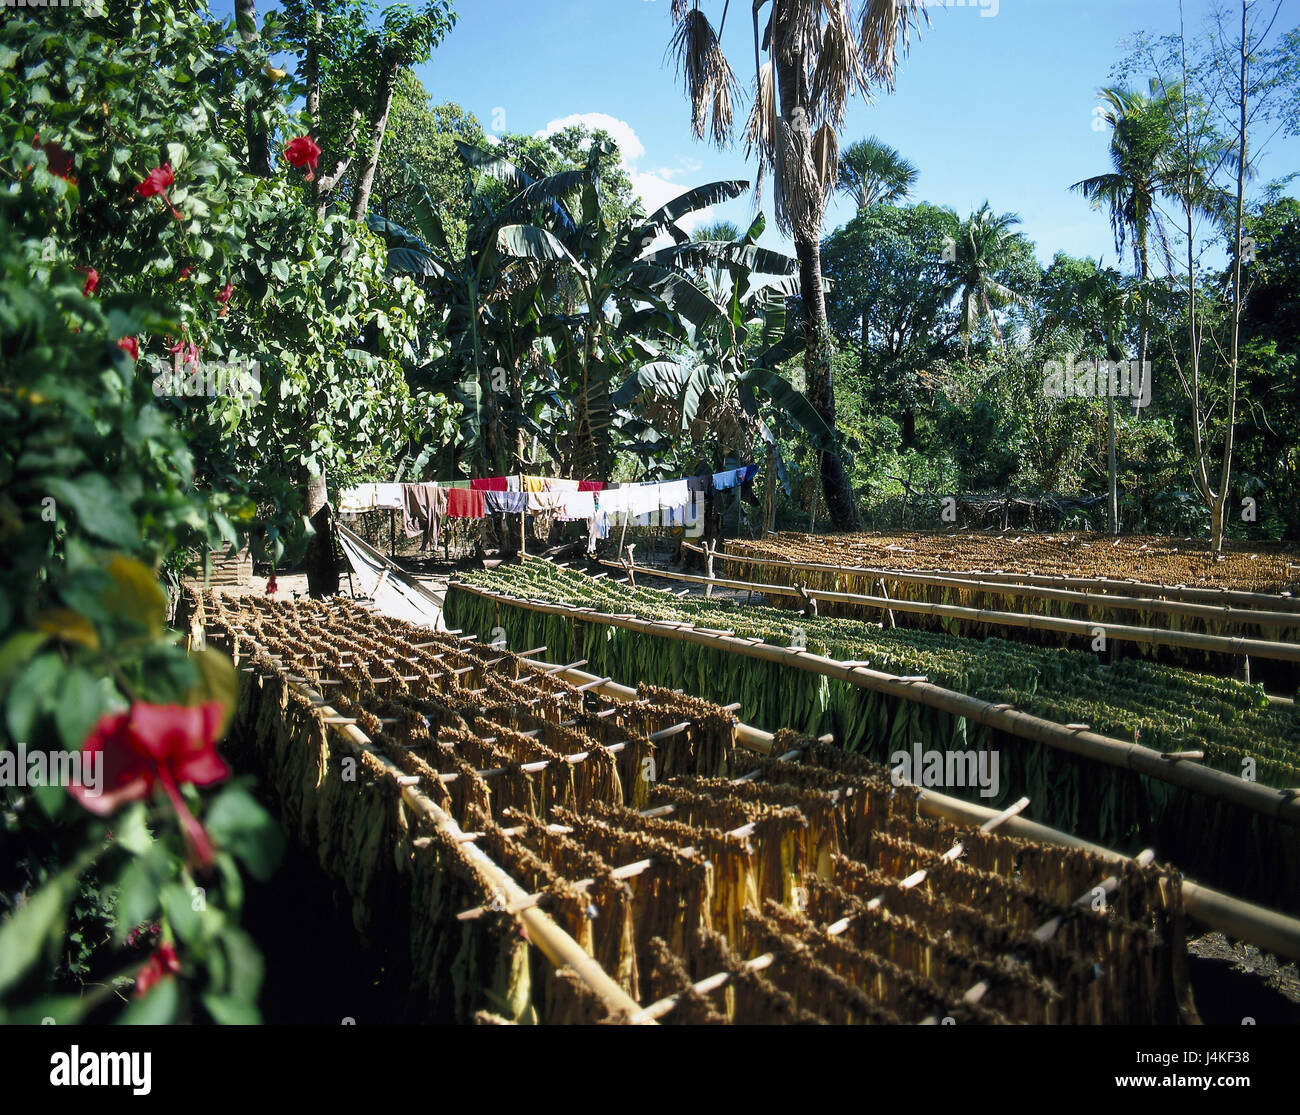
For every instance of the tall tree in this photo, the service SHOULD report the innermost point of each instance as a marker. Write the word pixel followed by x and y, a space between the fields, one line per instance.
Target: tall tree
pixel 873 173
pixel 820 54
pixel 986 246
pixel 1143 139
pixel 350 70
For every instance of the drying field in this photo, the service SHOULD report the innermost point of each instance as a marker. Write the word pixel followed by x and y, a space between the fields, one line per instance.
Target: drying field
pixel 924 581
pixel 1161 707
pixel 1263 567
pixel 537 850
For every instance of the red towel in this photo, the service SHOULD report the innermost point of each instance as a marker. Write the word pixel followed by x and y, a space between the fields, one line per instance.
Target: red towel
pixel 465 503
pixel 591 485
pixel 491 484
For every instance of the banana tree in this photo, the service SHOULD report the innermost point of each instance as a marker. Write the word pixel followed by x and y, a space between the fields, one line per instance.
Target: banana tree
pixel 725 388
pixel 625 300
pixel 492 306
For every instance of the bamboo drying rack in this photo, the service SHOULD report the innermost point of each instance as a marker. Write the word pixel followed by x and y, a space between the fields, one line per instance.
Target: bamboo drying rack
pixel 1283 805
pixel 1116 632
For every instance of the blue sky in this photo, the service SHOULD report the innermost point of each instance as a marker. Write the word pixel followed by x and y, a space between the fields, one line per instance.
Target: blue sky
pixel 992 101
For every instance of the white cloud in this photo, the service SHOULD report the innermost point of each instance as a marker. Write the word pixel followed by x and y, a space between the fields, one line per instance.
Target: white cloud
pixel 655 187
pixel 622 132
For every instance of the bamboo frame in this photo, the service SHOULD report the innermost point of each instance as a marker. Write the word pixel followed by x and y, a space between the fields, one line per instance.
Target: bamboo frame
pixel 1222 613
pixel 1269 929
pixel 555 944
pixel 1114 632
pixel 1283 805
pixel 1030 580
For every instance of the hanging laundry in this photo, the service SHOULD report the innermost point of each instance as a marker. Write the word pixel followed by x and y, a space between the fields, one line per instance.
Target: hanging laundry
pixel 464 503
pixel 545 501
pixel 558 485
pixel 534 483
pixel 371 497
pixel 510 503
pixel 491 484
pixel 576 505
pixel 674 495
pixel 733 478
pixel 591 485
pixel 423 505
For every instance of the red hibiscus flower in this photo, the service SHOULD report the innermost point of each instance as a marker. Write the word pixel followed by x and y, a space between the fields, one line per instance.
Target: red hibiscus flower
pixel 190 350
pixel 161 965
pixel 185 273
pixel 130 346
pixel 223 296
pixel 157 184
pixel 271 586
pixel 92 281
pixel 303 152
pixel 152 745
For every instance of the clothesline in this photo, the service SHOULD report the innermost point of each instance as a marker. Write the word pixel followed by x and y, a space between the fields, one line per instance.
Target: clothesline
pixel 423 505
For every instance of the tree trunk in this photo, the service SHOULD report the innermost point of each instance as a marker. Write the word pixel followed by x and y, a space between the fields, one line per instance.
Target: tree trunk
pixel 378 124
pixel 259 148
pixel 819 375
pixel 322 569
pixel 1112 471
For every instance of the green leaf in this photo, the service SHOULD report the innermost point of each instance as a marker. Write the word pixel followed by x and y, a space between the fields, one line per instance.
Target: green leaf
pixel 28 697
pixel 17 649
pixel 227 1011
pixel 137 594
pixel 158 1008
pixel 99 506
pixel 137 890
pixel 238 824
pixel 24 936
pixel 80 702
pixel 218 682
pixel 130 830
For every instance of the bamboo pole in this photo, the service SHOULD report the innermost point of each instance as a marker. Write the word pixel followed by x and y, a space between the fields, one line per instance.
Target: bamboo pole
pixel 1221 613
pixel 1282 601
pixel 1269 929
pixel 555 944
pixel 1280 804
pixel 1115 632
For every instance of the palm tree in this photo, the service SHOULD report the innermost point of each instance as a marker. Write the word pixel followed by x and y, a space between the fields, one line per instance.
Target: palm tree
pixel 986 245
pixel 873 173
pixel 1143 143
pixel 819 55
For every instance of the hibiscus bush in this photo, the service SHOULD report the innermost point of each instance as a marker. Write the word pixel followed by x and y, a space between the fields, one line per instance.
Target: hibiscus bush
pixel 128 148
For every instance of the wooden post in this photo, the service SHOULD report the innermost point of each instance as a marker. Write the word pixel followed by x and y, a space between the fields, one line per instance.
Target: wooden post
pixel 709 552
pixel 523 521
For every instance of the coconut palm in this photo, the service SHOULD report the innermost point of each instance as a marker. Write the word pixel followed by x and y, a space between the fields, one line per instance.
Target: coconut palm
pixel 873 173
pixel 820 53
pixel 1142 141
pixel 986 244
